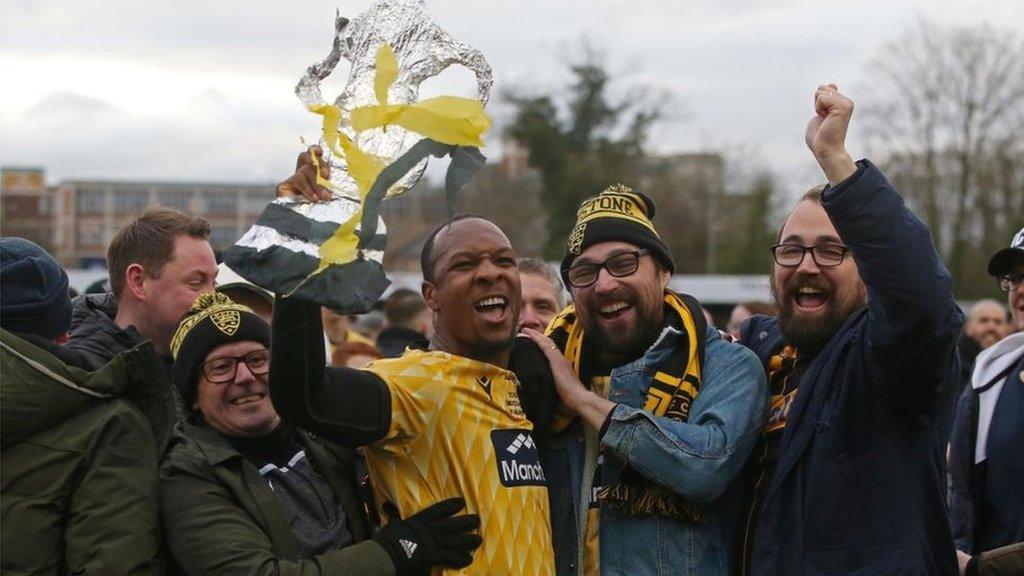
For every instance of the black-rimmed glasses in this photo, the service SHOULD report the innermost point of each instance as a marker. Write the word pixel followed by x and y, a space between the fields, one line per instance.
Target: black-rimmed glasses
pixel 620 265
pixel 824 255
pixel 1010 282
pixel 223 370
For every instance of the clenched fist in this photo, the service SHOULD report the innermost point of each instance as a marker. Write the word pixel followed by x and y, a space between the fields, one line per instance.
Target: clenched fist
pixel 826 133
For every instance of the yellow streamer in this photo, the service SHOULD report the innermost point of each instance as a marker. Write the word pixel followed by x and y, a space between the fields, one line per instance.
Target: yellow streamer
pixel 447 119
pixel 387 72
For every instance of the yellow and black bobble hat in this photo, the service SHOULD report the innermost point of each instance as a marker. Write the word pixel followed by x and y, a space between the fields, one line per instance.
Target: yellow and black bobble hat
pixel 213 320
pixel 618 214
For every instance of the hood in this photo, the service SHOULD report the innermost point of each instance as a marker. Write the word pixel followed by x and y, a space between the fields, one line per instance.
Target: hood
pixel 93 332
pixel 38 390
pixel 995 359
pixel 92 308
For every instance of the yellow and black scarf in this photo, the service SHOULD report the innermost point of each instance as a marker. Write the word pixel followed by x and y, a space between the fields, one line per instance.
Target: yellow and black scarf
pixel 674 386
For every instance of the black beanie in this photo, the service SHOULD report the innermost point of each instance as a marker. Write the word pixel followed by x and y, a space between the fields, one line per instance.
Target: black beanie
pixel 34 295
pixel 213 320
pixel 618 214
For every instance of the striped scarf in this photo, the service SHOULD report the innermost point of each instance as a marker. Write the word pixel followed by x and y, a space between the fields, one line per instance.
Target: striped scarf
pixel 673 388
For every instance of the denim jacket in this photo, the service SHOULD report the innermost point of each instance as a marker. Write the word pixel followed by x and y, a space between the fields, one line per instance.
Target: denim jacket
pixel 699 458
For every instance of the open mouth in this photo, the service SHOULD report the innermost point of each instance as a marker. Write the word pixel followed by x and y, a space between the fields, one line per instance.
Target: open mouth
pixel 492 308
pixel 243 400
pixel 808 298
pixel 615 310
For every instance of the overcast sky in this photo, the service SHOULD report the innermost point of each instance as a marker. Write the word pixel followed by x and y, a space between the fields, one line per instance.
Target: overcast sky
pixel 204 90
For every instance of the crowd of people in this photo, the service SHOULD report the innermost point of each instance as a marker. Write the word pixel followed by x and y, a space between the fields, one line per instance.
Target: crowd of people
pixel 191 422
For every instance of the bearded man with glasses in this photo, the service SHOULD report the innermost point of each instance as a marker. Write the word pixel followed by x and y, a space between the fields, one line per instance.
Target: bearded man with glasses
pixel 848 477
pixel 662 413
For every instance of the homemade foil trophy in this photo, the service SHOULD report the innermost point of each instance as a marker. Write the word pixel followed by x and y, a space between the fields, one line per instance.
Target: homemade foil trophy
pixel 377 137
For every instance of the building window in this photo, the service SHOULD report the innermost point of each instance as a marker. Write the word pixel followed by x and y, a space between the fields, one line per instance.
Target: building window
pixel 222 201
pixel 90 201
pixel 91 234
pixel 255 202
pixel 130 200
pixel 222 237
pixel 176 199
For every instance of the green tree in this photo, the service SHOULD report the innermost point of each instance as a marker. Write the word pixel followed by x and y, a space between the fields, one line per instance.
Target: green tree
pixel 582 139
pixel 744 247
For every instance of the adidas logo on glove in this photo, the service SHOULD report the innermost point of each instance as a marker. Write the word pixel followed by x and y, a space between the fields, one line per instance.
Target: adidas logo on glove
pixel 408 546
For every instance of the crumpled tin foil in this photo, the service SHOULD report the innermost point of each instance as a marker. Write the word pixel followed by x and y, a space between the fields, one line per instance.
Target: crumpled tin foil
pixel 281 251
pixel 423 50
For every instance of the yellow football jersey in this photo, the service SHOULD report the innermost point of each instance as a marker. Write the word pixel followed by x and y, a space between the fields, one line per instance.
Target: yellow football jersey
pixel 458 429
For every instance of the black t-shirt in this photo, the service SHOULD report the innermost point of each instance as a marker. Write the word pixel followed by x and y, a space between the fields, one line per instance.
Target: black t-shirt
pixel 312 510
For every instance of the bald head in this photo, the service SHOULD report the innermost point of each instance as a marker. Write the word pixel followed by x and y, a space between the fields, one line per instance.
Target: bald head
pixel 987 322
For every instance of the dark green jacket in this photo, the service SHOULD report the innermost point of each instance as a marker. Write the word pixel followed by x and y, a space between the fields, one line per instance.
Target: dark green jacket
pixel 220 517
pixel 78 466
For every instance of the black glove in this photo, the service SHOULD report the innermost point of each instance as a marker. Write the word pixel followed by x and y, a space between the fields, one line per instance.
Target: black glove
pixel 536 384
pixel 430 537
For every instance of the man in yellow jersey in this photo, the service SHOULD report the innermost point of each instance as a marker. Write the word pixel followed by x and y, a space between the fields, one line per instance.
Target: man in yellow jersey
pixel 442 423
pixel 642 482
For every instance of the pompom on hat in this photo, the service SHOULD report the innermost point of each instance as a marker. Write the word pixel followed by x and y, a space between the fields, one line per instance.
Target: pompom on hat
pixel 213 320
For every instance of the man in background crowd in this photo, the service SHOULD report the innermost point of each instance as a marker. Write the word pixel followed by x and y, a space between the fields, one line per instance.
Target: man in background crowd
pixel 241 291
pixel 409 321
pixel 158 264
pixel 744 310
pixel 987 505
pixel 78 485
pixel 543 297
pixel 987 323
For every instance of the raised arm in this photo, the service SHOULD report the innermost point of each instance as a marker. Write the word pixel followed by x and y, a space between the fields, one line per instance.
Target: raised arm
pixel 913 320
pixel 344 405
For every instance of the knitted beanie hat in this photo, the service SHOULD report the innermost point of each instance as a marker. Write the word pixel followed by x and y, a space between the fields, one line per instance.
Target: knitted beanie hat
pixel 213 320
pixel 34 295
pixel 616 214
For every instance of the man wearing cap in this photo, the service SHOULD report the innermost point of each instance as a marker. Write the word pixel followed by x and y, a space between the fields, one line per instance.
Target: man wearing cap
pixel 987 507
pixel 665 412
pixel 78 485
pixel 245 493
pixel 862 374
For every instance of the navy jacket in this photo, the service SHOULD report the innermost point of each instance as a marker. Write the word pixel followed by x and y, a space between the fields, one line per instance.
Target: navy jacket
pixel 858 487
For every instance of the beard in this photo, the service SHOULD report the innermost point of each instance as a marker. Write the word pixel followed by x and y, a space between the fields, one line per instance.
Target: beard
pixel 809 334
pixel 617 347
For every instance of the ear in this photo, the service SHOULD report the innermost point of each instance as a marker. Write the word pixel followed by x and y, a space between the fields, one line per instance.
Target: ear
pixel 135 281
pixel 429 292
pixel 663 277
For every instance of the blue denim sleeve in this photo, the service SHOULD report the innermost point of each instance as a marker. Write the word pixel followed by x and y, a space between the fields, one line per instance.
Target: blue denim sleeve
pixel 700 457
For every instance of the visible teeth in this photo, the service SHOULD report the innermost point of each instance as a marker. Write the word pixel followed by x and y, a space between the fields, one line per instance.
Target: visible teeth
pixel 611 308
pixel 247 399
pixel 492 301
pixel 808 290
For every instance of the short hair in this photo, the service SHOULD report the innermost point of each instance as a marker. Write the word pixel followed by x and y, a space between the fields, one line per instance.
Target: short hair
pixel 149 240
pixel 759 307
pixel 812 195
pixel 342 352
pixel 538 267
pixel 403 306
pixel 427 260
